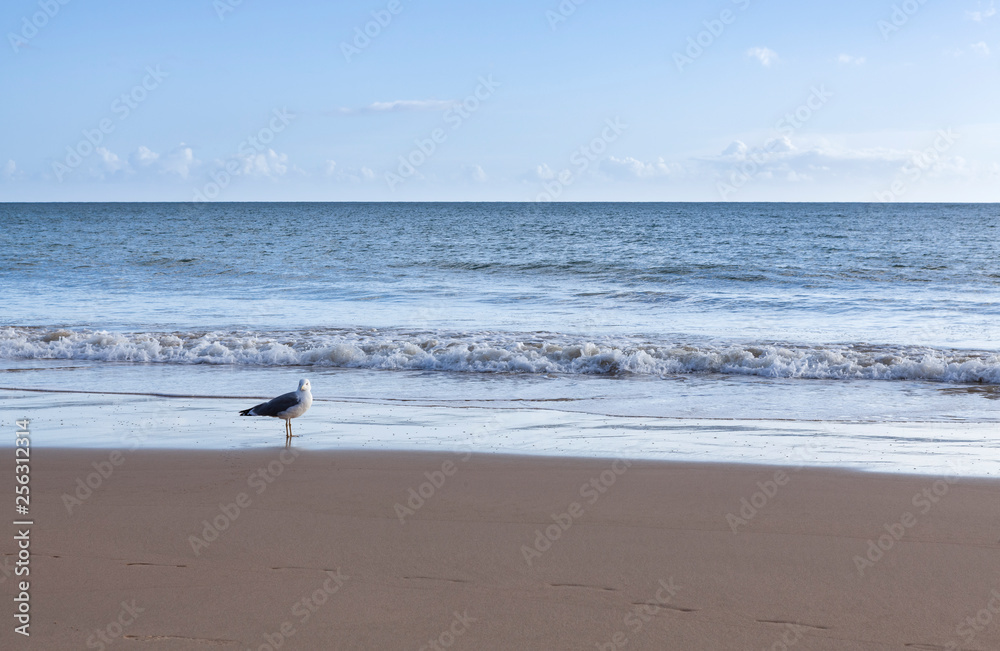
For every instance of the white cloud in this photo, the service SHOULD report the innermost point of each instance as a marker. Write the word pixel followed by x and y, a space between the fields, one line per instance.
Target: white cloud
pixel 143 157
pixel 981 14
pixel 180 161
pixel 981 48
pixel 765 55
pixel 402 105
pixel 805 166
pixel 629 167
pixel 776 160
pixel 9 169
pixel 257 164
pixel 781 161
pixel 412 105
pixel 544 173
pixel 107 163
pixel 263 164
pixel 848 59
pixel 339 174
pixel 736 149
pixel 474 173
pixel 780 145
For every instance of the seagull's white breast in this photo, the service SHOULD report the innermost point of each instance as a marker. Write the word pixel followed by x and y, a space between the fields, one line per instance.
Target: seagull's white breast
pixel 305 401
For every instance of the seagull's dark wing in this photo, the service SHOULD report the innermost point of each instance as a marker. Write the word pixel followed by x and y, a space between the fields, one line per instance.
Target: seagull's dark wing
pixel 273 407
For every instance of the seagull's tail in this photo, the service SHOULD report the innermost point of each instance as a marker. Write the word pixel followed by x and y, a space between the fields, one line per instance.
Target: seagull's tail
pixel 246 412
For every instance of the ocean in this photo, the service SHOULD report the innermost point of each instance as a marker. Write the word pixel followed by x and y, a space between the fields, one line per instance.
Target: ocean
pixel 708 331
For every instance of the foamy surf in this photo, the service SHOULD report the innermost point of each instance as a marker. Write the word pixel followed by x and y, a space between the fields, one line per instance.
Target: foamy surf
pixel 489 352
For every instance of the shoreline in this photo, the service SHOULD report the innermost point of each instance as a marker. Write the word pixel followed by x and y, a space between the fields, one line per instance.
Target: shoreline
pixel 110 421
pixel 229 547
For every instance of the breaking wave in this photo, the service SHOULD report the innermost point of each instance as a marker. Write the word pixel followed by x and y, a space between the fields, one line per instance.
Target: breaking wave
pixel 490 352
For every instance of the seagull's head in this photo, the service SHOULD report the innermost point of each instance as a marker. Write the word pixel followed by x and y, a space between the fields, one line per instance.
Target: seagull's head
pixel 304 385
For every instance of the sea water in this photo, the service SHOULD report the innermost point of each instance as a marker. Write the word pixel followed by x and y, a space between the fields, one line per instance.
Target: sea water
pixel 872 328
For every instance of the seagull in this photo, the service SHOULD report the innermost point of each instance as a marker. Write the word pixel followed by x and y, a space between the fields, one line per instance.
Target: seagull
pixel 286 406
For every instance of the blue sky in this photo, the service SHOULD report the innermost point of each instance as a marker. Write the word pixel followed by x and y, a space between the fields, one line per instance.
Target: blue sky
pixel 738 100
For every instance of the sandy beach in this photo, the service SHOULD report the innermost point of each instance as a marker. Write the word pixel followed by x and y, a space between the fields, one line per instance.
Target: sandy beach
pixel 294 549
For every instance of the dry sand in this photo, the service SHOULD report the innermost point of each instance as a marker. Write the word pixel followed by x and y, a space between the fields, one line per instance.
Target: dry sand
pixel 645 558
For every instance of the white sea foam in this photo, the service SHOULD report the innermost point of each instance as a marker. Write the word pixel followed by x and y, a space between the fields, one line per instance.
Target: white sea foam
pixel 504 353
